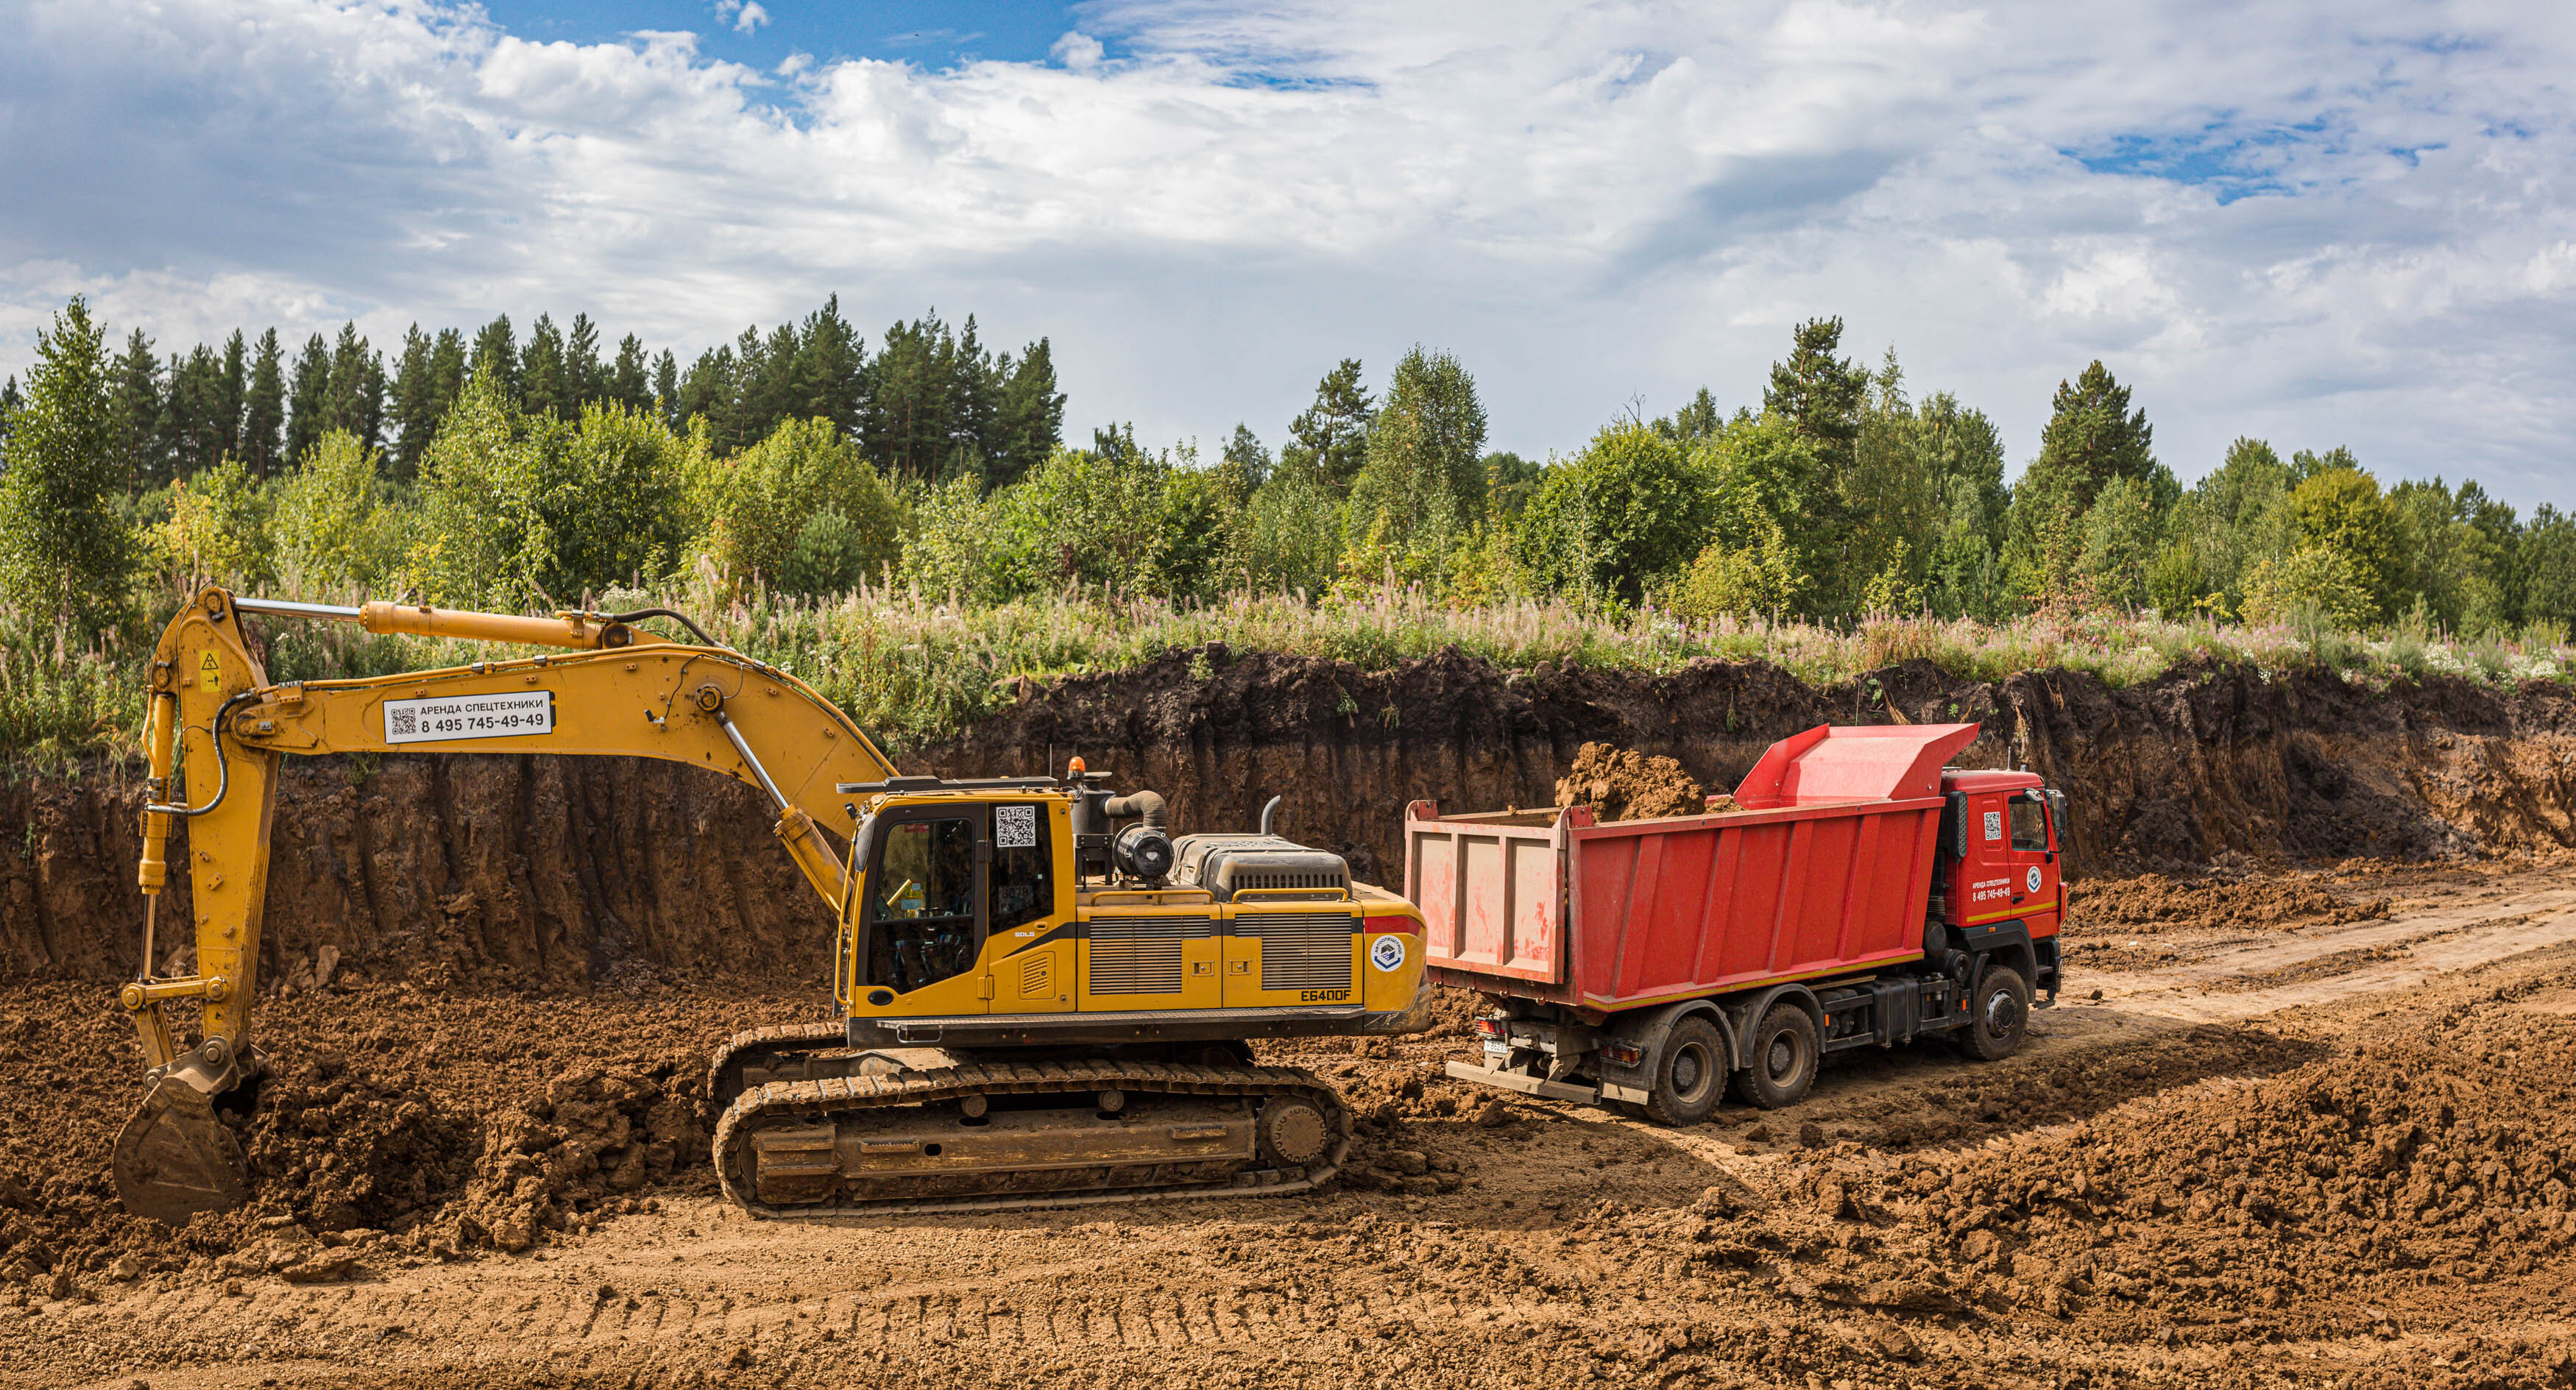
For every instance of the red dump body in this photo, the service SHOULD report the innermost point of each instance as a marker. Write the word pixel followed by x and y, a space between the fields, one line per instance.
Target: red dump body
pixel 1828 871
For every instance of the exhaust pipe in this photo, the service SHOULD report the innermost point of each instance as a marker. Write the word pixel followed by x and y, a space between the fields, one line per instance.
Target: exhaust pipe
pixel 1270 814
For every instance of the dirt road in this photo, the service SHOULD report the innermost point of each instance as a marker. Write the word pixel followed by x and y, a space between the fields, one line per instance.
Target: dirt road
pixel 2326 1145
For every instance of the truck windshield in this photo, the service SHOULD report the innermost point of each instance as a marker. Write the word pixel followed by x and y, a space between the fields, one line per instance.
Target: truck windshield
pixel 2029 824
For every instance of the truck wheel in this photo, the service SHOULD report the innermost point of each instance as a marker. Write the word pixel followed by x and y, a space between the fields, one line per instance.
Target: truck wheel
pixel 1784 1055
pixel 1689 1075
pixel 2001 1012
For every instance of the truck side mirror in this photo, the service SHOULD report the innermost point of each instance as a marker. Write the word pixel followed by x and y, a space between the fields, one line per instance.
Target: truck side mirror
pixel 2058 842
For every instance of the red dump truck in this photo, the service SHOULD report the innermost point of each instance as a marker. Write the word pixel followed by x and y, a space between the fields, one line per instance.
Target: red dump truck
pixel 1863 895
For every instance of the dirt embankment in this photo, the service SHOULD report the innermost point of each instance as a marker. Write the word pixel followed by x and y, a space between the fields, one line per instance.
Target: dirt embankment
pixel 562 873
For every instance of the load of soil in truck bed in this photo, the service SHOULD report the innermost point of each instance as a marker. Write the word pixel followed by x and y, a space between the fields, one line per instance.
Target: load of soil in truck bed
pixel 1619 784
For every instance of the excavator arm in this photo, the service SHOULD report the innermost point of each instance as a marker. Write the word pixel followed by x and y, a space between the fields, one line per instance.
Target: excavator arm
pixel 615 690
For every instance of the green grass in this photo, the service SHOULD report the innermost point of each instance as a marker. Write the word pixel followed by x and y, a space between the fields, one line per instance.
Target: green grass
pixel 915 667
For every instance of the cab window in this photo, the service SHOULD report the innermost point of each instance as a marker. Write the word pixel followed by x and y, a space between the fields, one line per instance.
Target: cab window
pixel 1023 874
pixel 921 906
pixel 2029 824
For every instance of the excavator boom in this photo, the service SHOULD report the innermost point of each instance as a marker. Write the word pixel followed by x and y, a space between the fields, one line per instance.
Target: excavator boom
pixel 616 691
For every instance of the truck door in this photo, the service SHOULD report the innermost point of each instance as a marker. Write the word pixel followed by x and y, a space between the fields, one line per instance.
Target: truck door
pixel 1984 882
pixel 2031 855
pixel 925 905
pixel 1031 940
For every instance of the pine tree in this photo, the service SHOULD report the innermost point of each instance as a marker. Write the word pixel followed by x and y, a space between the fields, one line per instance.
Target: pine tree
pixel 629 382
pixel 666 389
pixel 905 428
pixel 830 368
pixel 1028 414
pixel 1329 442
pixel 545 385
pixel 2092 437
pixel 64 551
pixel 496 358
pixel 709 390
pixel 196 434
pixel 138 399
pixel 263 407
pixel 1817 393
pixel 228 409
pixel 581 362
pixel 10 404
pixel 415 408
pixel 356 401
pixel 308 400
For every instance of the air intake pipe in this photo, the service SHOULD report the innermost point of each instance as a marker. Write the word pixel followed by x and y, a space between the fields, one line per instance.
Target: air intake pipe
pixel 1144 806
pixel 1142 850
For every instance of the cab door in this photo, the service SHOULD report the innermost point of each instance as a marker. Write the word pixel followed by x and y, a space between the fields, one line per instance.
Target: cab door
pixel 923 909
pixel 1031 947
pixel 2030 854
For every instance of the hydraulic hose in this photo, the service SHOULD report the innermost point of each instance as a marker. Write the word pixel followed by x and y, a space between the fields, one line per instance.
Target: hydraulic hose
pixel 683 619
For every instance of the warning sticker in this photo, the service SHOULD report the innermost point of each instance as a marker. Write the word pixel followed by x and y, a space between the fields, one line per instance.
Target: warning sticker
pixel 1015 827
pixel 470 716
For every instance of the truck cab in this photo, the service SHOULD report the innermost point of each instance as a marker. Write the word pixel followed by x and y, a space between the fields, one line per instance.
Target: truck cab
pixel 1998 879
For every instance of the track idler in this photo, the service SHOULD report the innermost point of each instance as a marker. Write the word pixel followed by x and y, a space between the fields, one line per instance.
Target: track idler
pixel 178 1156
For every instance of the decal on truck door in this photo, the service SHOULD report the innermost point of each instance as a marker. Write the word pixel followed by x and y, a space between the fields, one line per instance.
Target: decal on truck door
pixel 1994 825
pixel 2034 878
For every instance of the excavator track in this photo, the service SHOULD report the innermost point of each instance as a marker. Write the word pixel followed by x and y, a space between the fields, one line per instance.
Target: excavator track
pixel 1007 1135
pixel 766 1048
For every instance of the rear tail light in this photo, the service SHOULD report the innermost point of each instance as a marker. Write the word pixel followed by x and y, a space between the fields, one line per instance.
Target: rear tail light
pixel 1623 1053
pixel 1490 1027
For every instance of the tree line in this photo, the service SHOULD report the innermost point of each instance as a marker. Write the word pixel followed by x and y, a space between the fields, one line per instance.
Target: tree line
pixel 541 471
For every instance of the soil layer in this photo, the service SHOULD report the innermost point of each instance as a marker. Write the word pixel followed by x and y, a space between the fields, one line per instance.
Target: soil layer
pixel 567 873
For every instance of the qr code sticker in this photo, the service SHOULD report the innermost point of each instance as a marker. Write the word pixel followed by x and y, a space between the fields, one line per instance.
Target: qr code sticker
pixel 1015 827
pixel 399 722
pixel 1994 825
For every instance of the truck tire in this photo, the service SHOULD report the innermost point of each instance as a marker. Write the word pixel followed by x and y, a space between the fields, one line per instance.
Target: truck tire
pixel 1785 1054
pixel 1998 1013
pixel 1689 1075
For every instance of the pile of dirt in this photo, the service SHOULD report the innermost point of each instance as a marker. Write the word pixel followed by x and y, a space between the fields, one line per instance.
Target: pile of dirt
pixel 2152 903
pixel 399 1124
pixel 585 1149
pixel 1620 784
pixel 340 1149
pixel 2298 1205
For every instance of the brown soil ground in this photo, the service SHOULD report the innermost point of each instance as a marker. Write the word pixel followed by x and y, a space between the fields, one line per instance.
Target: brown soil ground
pixel 2324 1145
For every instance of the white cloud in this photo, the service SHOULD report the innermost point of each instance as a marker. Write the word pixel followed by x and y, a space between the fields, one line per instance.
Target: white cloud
pixel 2332 224
pixel 743 17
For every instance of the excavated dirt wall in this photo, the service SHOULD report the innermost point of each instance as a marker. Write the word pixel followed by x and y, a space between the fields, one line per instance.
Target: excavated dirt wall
pixel 562 873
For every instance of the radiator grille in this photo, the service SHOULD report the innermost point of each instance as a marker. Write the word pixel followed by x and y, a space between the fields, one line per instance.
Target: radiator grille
pixel 1276 879
pixel 1302 950
pixel 1141 955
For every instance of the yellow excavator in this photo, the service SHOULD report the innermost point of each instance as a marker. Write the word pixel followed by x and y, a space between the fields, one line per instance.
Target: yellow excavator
pixel 1044 998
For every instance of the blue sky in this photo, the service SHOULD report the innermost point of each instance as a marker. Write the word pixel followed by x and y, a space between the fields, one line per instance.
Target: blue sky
pixel 935 35
pixel 2319 224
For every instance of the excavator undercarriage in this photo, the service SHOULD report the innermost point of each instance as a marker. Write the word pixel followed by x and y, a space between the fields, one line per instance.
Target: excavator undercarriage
pixel 1039 1005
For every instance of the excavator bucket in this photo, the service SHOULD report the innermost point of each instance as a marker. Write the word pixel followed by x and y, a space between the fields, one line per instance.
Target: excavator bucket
pixel 177 1157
